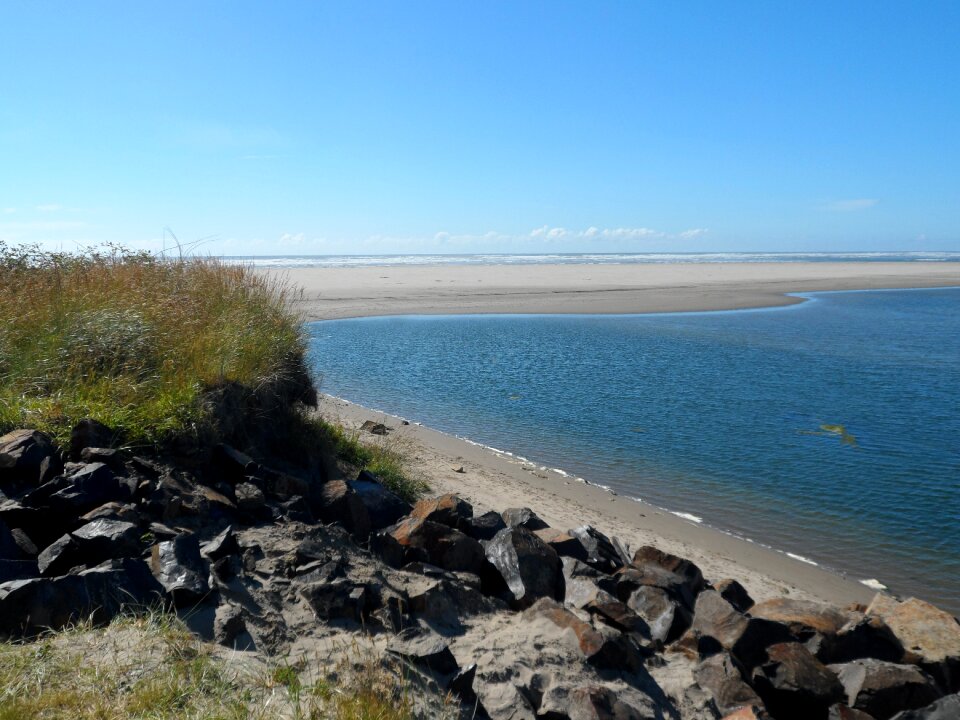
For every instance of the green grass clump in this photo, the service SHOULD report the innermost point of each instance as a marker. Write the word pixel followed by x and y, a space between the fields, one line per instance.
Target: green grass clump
pixel 382 457
pixel 134 340
pixel 151 667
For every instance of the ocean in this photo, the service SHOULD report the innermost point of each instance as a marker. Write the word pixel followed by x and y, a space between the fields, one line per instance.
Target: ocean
pixel 829 430
pixel 306 261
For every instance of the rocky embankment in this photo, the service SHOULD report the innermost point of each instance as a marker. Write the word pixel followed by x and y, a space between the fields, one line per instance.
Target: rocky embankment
pixel 507 616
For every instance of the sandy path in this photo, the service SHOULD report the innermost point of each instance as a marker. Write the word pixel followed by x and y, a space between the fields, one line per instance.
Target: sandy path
pixel 446 289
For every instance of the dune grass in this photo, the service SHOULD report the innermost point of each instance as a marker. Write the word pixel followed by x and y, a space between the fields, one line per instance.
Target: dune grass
pixel 134 340
pixel 151 667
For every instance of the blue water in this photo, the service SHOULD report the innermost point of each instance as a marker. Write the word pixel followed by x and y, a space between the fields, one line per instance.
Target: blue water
pixel 730 416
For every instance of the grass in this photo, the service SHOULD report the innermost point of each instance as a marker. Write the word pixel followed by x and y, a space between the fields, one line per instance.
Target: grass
pixel 151 668
pixel 137 341
pixel 383 457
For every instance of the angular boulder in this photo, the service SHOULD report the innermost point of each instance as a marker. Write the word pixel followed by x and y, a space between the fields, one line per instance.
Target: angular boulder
pixel 735 594
pixel 485 526
pixel 441 545
pixel 666 617
pixel 384 507
pixel 593 702
pixel 341 503
pixel 523 518
pixel 603 553
pixel 720 676
pixel 581 582
pixel 339 599
pixel 530 568
pixel 692 575
pixel 449 509
pixel 565 544
pixel 794 685
pixel 946 708
pixel 424 649
pixel 863 637
pixel 804 618
pixel 883 689
pixel 178 567
pixel 616 614
pixel 90 433
pixel 90 545
pixel 930 637
pixel 22 454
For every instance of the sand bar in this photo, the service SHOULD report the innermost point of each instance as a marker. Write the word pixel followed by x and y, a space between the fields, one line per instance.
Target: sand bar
pixel 628 288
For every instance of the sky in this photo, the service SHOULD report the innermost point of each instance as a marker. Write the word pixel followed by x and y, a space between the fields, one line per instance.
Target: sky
pixel 255 128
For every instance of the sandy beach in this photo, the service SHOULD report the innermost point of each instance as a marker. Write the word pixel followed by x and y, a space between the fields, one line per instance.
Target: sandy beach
pixel 330 293
pixel 492 480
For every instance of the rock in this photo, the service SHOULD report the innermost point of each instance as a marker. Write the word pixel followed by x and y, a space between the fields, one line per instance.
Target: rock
pixel 616 614
pixel 842 712
pixel 10 544
pixel 666 618
pixel 90 433
pixel 591 702
pixel 563 543
pixel 604 651
pixel 461 685
pixel 438 544
pixel 110 457
pixel 340 503
pixel 374 428
pixel 947 708
pixel 795 685
pixel 448 509
pixel 104 539
pixel 446 601
pixel 629 579
pixel 222 545
pixel 484 527
pixel 649 555
pixel 424 649
pixel 929 635
pixel 863 637
pixel 340 599
pixel 385 546
pixel 384 507
pixel 18 570
pixel 523 517
pixel 581 582
pixel 22 453
pixel 735 594
pixel 802 617
pixel 31 606
pixel 883 689
pixel 602 552
pixel 59 557
pixel 718 626
pixel 748 713
pixel 178 567
pixel 720 676
pixel 113 511
pixel 529 567
pixel 228 623
pixel 234 464
pixel 250 498
pixel 87 487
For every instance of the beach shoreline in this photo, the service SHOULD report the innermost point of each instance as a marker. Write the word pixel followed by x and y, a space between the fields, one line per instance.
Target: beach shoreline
pixel 348 292
pixel 493 479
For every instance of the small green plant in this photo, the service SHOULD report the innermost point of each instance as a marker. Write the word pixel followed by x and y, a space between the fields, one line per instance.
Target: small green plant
pixel 383 457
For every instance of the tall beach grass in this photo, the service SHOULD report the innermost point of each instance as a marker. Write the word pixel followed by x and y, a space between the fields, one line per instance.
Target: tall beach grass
pixel 135 340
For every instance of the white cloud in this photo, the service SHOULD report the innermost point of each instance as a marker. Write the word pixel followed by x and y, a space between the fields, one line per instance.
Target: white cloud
pixel 594 233
pixel 692 233
pixel 851 205
pixel 51 207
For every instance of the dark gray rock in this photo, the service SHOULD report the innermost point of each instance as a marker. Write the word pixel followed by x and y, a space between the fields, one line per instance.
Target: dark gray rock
pixel 563 543
pixel 720 676
pixel 461 685
pixel 842 712
pixel 221 546
pixel 340 599
pixel 90 433
pixel 228 624
pixel 250 498
pixel 88 487
pixel 802 617
pixel 616 614
pixel 691 574
pixel 384 507
pixel 529 567
pixel 178 567
pixel 22 453
pixel 590 702
pixel 883 689
pixel 233 464
pixel 667 618
pixel 794 685
pixel 106 539
pixel 581 582
pixel 31 606
pixel 631 578
pixel 947 708
pixel 340 503
pixel 863 637
pixel 424 649
pixel 735 594
pixel 485 526
pixel 10 548
pixel 111 457
pixel 438 544
pixel 603 553
pixel 524 518
pixel 59 557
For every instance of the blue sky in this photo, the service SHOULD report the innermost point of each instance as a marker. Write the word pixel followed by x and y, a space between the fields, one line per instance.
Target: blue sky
pixel 373 127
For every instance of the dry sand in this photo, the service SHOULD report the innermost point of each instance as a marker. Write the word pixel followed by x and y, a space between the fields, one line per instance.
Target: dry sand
pixel 451 289
pixel 495 481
